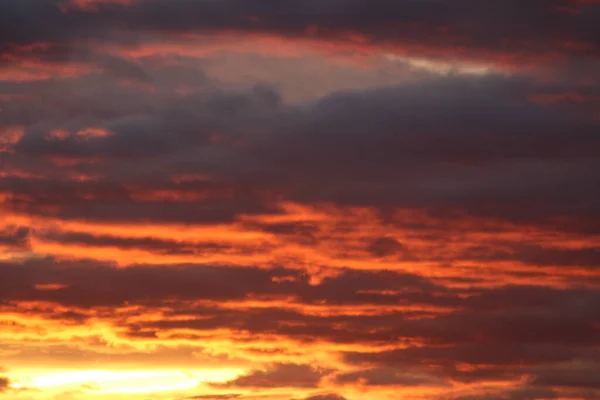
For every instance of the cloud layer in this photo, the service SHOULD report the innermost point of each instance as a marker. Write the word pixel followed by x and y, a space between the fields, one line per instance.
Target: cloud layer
pixel 319 200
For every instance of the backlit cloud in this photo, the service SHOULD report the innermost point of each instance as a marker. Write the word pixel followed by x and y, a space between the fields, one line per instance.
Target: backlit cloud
pixel 299 200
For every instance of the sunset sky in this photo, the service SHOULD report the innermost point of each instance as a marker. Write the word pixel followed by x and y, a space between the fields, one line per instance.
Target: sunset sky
pixel 299 199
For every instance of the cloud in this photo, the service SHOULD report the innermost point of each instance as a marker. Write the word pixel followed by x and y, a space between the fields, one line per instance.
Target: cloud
pixel 4 384
pixel 577 375
pixel 488 362
pixel 192 282
pixel 443 26
pixel 280 375
pixel 523 393
pixel 14 237
pixel 261 184
pixel 326 396
pixel 479 335
pixel 449 144
pixel 384 246
pixel 388 377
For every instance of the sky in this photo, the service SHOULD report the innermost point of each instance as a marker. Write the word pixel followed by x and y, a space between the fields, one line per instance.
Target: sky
pixel 299 199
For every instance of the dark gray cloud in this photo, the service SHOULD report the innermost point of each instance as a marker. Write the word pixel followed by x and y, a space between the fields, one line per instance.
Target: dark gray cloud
pixel 448 144
pixel 389 377
pixel 15 237
pixel 280 375
pixel 4 384
pixel 523 393
pixel 385 246
pixel 436 365
pixel 196 282
pixel 448 358
pixel 540 27
pixel 326 396
pixel 577 375
pixel 505 314
pixel 535 254
pixel 79 279
pixel 109 200
pixel 155 246
pixel 483 149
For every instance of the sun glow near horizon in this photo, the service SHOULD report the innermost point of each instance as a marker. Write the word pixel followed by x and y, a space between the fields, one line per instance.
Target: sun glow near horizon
pixel 103 381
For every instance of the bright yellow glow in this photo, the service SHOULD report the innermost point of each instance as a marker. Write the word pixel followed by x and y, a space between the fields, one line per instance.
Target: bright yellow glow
pixel 442 67
pixel 122 382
